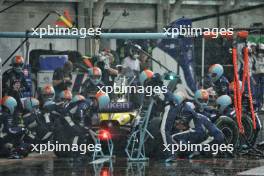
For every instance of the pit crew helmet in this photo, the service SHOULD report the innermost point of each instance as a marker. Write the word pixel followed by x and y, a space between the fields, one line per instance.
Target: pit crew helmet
pixel 201 97
pixel 10 103
pixel 102 99
pixel 48 92
pixel 18 61
pixel 215 72
pixel 132 52
pixel 31 103
pixel 95 75
pixel 145 75
pixel 223 102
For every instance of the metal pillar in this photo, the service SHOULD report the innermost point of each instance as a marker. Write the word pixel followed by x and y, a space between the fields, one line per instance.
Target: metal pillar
pixel 0 79
pixel 160 17
pixel 81 24
pixel 88 13
pixel 202 73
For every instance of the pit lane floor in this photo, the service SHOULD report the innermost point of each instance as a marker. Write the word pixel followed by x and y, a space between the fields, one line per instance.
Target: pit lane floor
pixel 49 165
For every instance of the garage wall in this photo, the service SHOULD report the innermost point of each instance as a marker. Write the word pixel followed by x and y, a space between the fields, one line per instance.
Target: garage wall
pixel 244 19
pixel 140 16
pixel 196 11
pixel 239 20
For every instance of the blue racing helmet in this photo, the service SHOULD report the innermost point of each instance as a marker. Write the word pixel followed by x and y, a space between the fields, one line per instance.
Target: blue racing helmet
pixel 144 75
pixel 48 92
pixel 201 97
pixel 95 75
pixel 18 61
pixel 102 99
pixel 31 103
pixel 223 102
pixel 10 103
pixel 215 72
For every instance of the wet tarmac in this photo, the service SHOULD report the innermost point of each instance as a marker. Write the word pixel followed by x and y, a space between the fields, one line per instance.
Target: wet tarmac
pixel 48 165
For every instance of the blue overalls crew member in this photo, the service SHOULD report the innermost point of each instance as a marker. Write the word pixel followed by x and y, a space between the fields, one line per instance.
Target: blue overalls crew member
pixel 62 77
pixel 219 81
pixel 201 99
pixel 90 86
pixel 12 144
pixel 192 130
pixel 14 82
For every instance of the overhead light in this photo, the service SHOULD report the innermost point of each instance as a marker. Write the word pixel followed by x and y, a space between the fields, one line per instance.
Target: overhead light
pixel 125 13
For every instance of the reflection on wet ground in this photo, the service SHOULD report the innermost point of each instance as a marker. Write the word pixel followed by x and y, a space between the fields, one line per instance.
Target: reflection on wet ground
pixel 49 166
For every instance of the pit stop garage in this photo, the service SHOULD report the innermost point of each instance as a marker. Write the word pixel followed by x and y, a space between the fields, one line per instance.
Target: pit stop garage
pixel 129 87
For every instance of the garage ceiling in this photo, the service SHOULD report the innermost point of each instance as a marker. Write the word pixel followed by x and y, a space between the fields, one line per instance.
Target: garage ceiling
pixel 182 2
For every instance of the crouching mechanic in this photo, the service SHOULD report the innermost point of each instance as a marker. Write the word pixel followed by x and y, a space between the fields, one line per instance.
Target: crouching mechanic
pixel 223 104
pixel 81 111
pixel 184 125
pixel 38 125
pixel 214 114
pixel 11 138
pixel 219 81
pixel 75 126
pixel 180 126
pixel 214 135
pixel 172 130
pixel 201 98
pixel 92 84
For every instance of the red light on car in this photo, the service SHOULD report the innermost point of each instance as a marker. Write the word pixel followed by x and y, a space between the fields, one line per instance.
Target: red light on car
pixel 104 135
pixel 105 172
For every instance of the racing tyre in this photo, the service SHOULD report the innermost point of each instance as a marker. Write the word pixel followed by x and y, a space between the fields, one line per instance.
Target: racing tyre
pixel 229 128
pixel 250 134
pixel 154 147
